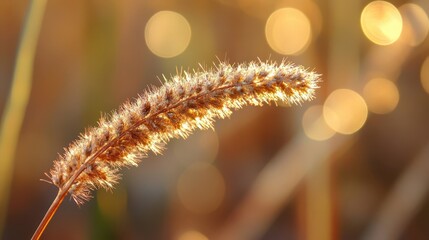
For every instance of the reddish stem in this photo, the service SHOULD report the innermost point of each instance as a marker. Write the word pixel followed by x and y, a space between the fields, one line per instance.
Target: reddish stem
pixel 49 214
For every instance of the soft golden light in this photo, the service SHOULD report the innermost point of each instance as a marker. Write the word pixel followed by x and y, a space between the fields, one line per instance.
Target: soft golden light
pixel 416 23
pixel 192 235
pixel 167 34
pixel 314 124
pixel 203 145
pixel 201 188
pixel 257 8
pixel 424 75
pixel 381 22
pixel 381 95
pixel 345 111
pixel 288 31
pixel 208 143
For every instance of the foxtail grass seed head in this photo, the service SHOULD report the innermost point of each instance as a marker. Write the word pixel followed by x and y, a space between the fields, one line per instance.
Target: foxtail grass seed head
pixel 184 103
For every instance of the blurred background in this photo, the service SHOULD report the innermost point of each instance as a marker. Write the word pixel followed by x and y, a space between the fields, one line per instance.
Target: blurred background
pixel 351 164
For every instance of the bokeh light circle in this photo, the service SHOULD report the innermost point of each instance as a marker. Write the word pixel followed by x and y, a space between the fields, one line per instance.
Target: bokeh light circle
pixel 424 75
pixel 416 23
pixel 381 95
pixel 201 188
pixel 288 31
pixel 345 111
pixel 314 124
pixel 167 34
pixel 381 22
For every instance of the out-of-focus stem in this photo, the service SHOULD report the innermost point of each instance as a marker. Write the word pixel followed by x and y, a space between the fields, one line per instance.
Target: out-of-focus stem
pixel 276 183
pixel 403 201
pixel 16 104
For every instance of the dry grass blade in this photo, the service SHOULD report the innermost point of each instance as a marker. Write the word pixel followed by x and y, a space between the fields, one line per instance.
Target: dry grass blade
pixel 12 118
pixel 187 102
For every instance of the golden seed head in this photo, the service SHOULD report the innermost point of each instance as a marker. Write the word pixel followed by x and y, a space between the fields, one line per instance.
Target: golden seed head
pixel 186 102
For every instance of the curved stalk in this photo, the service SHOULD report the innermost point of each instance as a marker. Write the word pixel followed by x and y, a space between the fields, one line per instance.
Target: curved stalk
pixel 171 111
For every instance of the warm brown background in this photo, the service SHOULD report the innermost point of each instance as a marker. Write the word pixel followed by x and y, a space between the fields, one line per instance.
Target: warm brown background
pixel 92 56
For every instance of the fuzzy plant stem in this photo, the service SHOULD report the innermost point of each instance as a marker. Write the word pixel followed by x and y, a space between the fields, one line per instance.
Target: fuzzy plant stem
pixel 187 102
